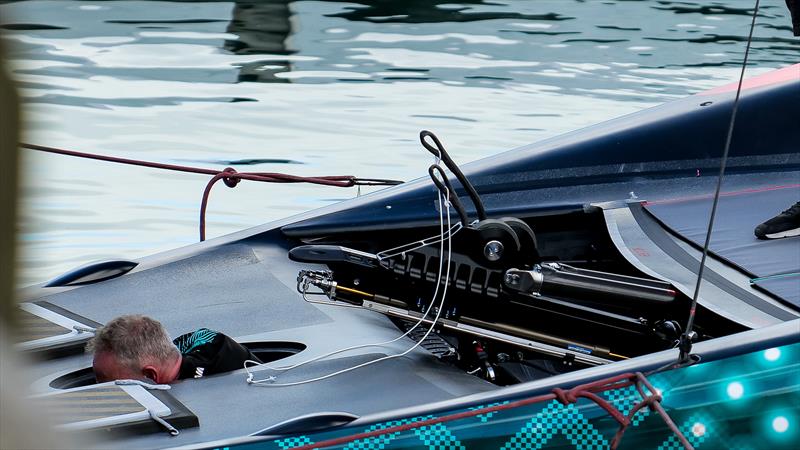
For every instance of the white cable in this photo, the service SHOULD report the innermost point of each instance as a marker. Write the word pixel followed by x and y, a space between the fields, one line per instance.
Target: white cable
pixel 250 380
pixel 443 202
pixel 421 319
pixel 410 247
pixel 377 344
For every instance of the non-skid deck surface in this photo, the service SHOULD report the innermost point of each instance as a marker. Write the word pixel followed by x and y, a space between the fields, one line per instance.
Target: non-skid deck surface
pixel 32 327
pixel 51 331
pixel 89 404
pixel 738 213
pixel 787 288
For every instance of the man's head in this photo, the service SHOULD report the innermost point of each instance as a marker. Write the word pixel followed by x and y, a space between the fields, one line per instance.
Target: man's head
pixel 134 347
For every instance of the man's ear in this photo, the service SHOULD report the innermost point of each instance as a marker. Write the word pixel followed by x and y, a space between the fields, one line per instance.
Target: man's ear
pixel 151 372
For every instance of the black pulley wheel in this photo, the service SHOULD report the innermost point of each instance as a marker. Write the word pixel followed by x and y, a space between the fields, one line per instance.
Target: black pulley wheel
pixel 529 248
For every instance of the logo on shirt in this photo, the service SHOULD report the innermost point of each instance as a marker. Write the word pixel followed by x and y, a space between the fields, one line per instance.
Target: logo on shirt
pixel 199 372
pixel 190 341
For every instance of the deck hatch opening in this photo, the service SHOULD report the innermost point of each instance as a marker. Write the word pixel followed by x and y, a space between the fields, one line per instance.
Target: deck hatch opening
pixel 269 351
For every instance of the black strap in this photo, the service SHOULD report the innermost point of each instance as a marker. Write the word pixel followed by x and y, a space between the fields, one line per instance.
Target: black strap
pixel 440 153
pixel 444 186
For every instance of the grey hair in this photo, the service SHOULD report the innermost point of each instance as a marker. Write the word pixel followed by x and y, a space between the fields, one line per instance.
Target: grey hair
pixel 134 340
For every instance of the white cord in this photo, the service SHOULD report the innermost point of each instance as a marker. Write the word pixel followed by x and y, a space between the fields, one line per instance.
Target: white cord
pixel 443 202
pixel 405 248
pixel 377 344
pixel 441 239
pixel 149 386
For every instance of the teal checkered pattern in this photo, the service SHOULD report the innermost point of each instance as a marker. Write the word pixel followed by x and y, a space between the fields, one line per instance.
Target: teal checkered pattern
pixel 696 430
pixel 293 442
pixel 438 437
pixel 557 418
pixel 624 400
pixel 485 417
pixel 381 441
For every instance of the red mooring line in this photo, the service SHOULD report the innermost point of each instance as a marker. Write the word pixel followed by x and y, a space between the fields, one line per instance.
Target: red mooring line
pixel 228 175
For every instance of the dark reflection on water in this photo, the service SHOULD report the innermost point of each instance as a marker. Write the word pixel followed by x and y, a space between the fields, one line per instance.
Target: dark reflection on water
pixel 29 26
pixel 714 9
pixel 425 11
pixel 155 23
pixel 728 39
pixel 261 28
pixel 107 103
pixel 242 162
pixel 543 33
pixel 614 27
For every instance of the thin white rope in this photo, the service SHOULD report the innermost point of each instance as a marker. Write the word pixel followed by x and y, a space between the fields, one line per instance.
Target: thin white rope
pixel 410 247
pixel 443 204
pixel 250 379
pixel 336 352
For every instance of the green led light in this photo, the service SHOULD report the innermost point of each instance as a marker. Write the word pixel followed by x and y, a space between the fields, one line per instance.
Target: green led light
pixel 780 424
pixel 772 354
pixel 699 429
pixel 735 390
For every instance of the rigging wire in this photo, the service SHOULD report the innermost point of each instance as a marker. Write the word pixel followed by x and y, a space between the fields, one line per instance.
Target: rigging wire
pixel 688 335
pixel 444 204
pixel 411 246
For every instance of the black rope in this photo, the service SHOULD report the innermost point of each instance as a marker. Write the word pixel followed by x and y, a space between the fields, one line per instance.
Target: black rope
pixel 687 337
pixel 439 152
pixel 445 187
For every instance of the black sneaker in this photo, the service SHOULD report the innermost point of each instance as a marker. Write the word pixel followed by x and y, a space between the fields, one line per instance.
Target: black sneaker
pixel 785 224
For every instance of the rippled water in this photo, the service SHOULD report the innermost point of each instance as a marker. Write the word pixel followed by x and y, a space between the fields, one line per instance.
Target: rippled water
pixel 324 87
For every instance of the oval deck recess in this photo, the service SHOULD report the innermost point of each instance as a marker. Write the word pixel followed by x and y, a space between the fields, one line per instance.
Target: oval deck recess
pixel 308 423
pixel 78 378
pixel 268 351
pixel 93 273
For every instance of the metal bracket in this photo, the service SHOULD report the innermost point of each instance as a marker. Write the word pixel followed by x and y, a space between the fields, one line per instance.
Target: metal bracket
pixel 172 430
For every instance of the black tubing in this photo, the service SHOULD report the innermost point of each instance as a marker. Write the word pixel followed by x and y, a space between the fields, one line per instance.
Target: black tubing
pixel 440 152
pixel 444 186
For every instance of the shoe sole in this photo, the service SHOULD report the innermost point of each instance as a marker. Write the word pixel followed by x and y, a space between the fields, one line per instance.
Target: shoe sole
pixel 784 234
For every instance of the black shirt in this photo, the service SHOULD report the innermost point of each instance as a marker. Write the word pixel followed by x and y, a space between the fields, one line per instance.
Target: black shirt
pixel 207 352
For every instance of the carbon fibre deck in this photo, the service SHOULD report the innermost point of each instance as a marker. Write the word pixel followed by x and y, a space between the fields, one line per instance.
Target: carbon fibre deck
pixel 738 213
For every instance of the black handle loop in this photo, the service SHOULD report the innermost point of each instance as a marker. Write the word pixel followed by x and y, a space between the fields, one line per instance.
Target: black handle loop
pixel 439 152
pixel 444 185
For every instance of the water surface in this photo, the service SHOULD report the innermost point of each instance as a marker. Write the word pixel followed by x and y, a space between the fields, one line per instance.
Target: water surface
pixel 324 88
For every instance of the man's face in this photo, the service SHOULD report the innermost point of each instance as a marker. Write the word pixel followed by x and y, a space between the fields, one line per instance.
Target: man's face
pixel 107 368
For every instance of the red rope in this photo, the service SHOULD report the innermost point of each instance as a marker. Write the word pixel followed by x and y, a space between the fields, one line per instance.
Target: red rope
pixel 229 175
pixel 653 401
pixel 588 391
